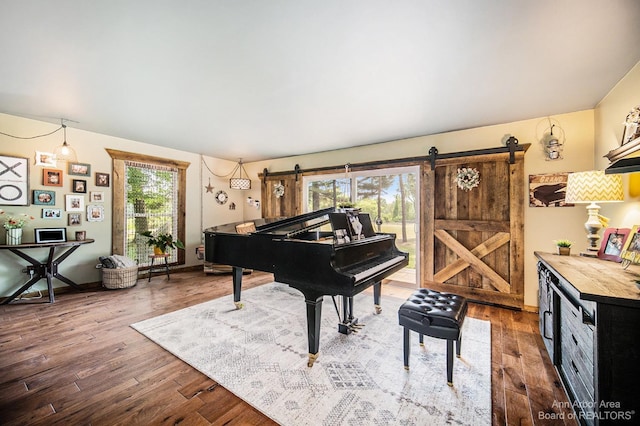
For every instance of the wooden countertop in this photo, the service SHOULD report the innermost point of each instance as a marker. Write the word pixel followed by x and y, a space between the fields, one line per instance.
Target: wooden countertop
pixel 598 280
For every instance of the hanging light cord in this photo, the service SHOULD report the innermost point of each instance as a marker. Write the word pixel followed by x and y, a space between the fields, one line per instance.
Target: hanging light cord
pixel 36 136
pixel 223 176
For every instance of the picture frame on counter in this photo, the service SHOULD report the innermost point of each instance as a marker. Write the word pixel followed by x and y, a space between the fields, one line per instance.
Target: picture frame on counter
pixel 50 235
pixel 631 250
pixel 613 242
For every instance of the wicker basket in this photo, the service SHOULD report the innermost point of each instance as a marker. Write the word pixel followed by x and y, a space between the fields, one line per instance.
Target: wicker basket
pixel 120 277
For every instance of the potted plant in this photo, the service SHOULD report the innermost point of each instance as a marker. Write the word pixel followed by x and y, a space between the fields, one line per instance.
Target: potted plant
pixel 162 242
pixel 564 247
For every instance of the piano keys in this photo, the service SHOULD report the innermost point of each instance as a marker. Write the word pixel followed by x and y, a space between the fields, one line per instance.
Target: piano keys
pixel 341 260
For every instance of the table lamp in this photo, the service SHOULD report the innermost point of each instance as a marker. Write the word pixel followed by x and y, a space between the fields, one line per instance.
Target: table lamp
pixel 593 187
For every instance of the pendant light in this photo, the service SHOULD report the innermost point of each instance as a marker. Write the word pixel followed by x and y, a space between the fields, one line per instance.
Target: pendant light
pixel 65 152
pixel 239 182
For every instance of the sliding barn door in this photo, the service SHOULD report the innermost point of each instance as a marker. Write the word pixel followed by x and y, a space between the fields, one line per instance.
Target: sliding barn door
pixel 286 203
pixel 473 240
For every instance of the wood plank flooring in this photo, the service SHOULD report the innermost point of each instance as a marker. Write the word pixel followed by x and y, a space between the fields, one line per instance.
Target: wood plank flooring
pixel 77 361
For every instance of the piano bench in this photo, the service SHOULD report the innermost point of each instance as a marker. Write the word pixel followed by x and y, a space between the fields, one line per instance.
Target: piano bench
pixel 435 314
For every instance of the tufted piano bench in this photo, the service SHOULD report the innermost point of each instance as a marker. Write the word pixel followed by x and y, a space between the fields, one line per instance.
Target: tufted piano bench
pixel 434 314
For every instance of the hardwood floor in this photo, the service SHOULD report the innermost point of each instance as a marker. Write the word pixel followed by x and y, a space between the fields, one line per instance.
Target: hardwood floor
pixel 77 361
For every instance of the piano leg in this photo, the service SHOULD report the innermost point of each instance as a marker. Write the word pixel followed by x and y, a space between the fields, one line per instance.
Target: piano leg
pixel 377 289
pixel 237 286
pixel 314 316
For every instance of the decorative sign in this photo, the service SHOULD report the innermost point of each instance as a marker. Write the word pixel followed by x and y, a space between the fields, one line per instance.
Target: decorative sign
pixel 14 181
pixel 548 190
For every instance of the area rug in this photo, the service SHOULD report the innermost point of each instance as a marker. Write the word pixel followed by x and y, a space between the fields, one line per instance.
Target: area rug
pixel 260 354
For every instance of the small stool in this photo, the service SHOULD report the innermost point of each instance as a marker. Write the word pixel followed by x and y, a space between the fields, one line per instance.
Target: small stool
pixel 153 257
pixel 434 314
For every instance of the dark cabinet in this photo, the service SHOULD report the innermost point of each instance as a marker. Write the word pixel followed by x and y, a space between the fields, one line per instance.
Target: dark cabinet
pixel 590 322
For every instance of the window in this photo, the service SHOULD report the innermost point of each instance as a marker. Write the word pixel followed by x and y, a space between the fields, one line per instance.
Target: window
pixel 148 194
pixel 390 196
pixel 325 193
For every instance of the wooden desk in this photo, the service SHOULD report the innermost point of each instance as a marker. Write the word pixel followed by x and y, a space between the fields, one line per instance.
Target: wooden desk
pixel 47 269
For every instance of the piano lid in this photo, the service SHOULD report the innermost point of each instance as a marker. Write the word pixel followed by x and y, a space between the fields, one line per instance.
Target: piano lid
pixel 296 224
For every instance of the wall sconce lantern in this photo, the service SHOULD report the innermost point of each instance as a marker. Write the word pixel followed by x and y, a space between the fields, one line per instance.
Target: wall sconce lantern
pixel 552 145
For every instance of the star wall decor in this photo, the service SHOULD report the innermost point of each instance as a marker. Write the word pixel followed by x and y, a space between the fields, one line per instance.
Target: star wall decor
pixel 209 187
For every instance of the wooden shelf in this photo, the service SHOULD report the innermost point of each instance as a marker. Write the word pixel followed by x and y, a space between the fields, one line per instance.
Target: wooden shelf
pixel 624 150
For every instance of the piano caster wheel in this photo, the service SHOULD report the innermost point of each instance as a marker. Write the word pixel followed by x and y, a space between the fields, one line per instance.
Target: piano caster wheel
pixel 378 309
pixel 312 359
pixel 239 305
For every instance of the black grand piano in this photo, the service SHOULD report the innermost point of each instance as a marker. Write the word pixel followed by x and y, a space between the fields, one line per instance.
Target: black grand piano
pixel 342 259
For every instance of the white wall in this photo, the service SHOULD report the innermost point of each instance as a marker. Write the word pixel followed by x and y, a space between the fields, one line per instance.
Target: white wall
pixel 542 225
pixel 589 135
pixel 610 113
pixel 90 147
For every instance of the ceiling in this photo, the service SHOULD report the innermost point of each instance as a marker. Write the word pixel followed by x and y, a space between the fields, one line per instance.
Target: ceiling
pixel 267 79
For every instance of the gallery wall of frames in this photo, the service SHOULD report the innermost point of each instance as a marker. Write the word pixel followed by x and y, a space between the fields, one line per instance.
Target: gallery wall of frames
pixel 67 194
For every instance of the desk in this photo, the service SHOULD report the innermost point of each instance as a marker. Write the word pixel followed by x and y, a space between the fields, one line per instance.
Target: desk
pixel 47 269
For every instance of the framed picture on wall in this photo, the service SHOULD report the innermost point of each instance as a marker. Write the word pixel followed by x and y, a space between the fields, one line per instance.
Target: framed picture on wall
pixel 47 159
pixel 14 181
pixel 74 219
pixel 52 177
pixel 612 243
pixel 74 203
pixel 95 213
pixel 79 185
pixel 102 179
pixel 44 197
pixel 96 197
pixel 79 169
pixel 51 213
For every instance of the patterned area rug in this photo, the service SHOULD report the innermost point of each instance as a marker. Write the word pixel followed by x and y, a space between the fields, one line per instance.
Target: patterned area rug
pixel 260 354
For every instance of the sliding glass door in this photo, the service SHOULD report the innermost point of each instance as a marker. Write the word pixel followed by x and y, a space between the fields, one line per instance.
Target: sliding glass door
pixel 390 197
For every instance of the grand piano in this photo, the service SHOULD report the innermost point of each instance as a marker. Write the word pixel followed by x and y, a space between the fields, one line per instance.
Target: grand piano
pixel 340 260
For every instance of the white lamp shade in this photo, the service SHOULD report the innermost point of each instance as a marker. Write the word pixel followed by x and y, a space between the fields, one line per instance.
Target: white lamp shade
pixel 240 183
pixel 593 186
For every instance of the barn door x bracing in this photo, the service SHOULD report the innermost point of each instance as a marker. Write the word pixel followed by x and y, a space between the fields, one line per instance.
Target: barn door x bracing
pixel 473 240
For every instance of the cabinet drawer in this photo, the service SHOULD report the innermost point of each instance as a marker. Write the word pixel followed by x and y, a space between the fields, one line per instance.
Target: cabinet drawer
pixel 575 332
pixel 582 399
pixel 574 358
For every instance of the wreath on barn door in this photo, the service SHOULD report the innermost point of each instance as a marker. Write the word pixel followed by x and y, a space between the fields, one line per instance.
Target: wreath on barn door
pixel 467 178
pixel 278 190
